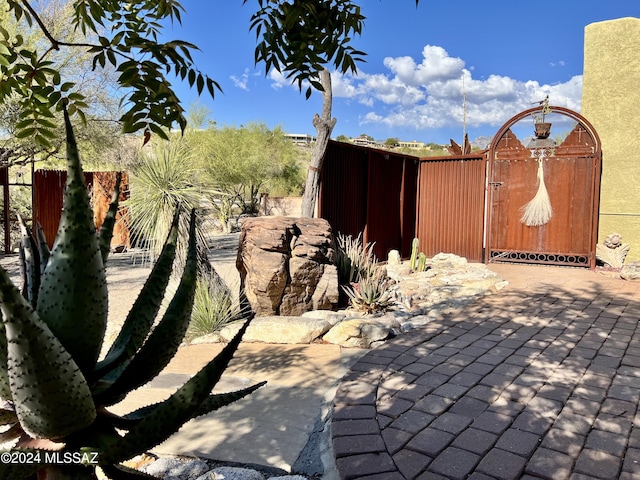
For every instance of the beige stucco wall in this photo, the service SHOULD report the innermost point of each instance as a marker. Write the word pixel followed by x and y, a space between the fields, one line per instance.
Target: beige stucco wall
pixel 611 102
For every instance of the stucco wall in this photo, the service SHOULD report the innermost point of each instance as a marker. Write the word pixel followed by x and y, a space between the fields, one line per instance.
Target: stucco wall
pixel 611 102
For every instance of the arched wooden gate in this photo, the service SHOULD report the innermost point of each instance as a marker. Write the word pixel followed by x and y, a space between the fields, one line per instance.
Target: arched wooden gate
pixel 571 173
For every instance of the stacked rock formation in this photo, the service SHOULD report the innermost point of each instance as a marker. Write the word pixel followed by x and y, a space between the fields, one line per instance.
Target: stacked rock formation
pixel 286 265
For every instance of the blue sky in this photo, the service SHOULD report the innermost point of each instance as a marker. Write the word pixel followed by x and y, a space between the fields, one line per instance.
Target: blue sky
pixel 510 53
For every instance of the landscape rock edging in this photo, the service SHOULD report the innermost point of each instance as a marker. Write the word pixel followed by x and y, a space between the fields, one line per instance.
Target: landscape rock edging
pixel 447 285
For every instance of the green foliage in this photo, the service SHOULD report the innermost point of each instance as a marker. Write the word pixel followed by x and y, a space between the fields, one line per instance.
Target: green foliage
pixel 364 281
pixel 354 260
pixel 213 308
pixel 238 164
pixel 371 293
pixel 161 181
pixel 56 390
pixel 299 38
pixel 19 198
pixel 415 244
pixel 422 263
pixel 121 36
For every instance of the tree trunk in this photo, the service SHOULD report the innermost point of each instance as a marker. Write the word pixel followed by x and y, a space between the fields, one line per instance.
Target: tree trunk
pixel 324 126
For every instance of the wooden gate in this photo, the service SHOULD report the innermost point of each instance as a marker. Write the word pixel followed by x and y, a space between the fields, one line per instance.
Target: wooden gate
pixel 571 173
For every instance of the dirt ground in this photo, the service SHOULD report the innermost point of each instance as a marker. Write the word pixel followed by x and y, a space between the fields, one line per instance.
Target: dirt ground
pixel 127 272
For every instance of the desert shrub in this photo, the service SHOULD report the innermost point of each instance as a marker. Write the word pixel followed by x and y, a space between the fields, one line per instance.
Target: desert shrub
pixel 353 259
pixel 362 279
pixel 213 308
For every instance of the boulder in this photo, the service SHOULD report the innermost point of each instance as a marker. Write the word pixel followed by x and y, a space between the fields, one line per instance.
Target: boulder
pixel 630 271
pixel 287 265
pixel 328 315
pixel 358 333
pixel 279 329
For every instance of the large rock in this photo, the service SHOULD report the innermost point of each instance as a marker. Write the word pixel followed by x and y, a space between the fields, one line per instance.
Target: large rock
pixel 279 329
pixel 287 266
pixel 630 271
pixel 358 333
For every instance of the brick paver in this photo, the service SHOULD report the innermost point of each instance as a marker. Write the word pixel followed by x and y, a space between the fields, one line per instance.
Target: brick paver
pixel 540 380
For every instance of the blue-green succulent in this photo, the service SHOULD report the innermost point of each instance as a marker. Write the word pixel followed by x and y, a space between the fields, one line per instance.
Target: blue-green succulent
pixel 56 390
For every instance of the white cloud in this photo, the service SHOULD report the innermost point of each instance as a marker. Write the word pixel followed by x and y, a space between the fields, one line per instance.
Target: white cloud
pixel 429 94
pixel 278 79
pixel 436 65
pixel 242 80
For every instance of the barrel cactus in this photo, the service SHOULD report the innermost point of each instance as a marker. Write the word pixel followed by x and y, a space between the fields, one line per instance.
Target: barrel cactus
pixel 56 390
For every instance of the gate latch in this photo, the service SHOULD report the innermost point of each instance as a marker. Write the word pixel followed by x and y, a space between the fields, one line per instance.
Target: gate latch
pixel 496 184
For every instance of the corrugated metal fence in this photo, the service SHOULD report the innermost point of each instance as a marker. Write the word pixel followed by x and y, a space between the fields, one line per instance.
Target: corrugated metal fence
pixel 451 201
pixel 392 197
pixel 48 188
pixel 371 192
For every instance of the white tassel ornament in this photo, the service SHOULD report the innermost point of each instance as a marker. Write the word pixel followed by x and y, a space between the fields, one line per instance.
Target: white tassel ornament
pixel 538 211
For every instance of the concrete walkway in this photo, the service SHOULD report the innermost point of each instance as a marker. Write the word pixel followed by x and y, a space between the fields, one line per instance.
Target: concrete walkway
pixel 539 381
pixel 273 426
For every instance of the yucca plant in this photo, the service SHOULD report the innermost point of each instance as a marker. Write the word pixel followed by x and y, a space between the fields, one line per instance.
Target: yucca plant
pixel 56 392
pixel 161 180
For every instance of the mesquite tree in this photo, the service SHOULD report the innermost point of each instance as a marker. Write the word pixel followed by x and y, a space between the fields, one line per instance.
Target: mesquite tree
pixel 119 35
pixel 301 39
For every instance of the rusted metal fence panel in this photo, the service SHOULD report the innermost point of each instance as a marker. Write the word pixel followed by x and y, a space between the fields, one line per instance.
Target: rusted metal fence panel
pixel 451 201
pixel 372 192
pixel 391 203
pixel 103 185
pixel 343 189
pixel 48 189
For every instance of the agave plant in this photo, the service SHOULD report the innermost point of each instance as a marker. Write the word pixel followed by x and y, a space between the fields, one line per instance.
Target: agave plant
pixel 372 293
pixel 56 392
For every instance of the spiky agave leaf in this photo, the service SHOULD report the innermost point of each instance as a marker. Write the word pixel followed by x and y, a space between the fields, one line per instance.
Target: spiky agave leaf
pixel 29 263
pixel 167 417
pixel 213 402
pixel 106 230
pixel 122 472
pixel 140 319
pixel 18 470
pixel 50 395
pixel 43 248
pixel 73 294
pixel 163 343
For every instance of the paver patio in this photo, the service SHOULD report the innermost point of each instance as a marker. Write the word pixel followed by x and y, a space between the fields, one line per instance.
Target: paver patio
pixel 539 381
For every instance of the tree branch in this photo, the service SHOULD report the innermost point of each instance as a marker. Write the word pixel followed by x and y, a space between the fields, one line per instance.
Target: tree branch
pixel 54 43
